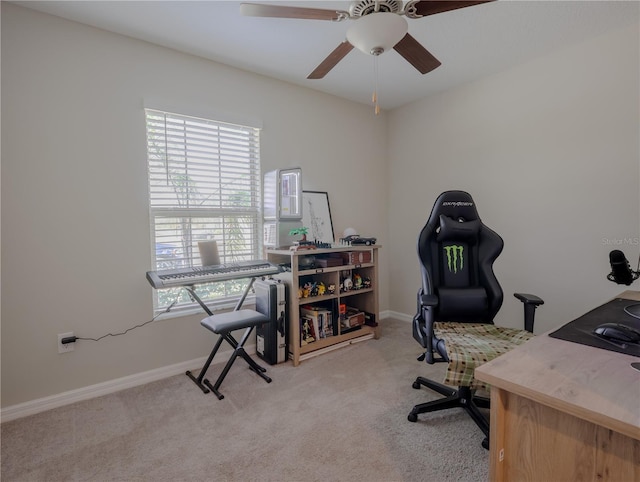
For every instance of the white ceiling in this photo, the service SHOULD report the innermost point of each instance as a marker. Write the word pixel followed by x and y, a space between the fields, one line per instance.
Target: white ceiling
pixel 471 43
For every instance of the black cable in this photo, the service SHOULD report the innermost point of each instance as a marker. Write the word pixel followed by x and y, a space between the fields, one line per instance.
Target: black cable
pixel 72 339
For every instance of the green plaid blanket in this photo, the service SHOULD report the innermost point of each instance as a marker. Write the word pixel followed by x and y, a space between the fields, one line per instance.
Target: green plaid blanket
pixel 471 344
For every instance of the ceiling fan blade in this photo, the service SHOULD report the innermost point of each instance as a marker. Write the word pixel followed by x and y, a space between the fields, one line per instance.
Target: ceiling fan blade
pixel 332 59
pixel 416 54
pixel 280 11
pixel 431 7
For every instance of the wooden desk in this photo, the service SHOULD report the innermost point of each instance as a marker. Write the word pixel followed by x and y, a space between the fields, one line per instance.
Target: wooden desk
pixel 561 411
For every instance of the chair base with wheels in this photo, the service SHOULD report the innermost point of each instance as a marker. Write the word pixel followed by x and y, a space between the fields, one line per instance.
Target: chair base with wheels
pixel 467 346
pixel 223 324
pixel 463 397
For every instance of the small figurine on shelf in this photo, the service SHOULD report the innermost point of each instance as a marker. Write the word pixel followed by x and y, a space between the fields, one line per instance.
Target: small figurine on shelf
pixel 306 290
pixel 347 284
pixel 321 288
pixel 357 281
pixel 314 289
pixel 367 282
pixel 331 289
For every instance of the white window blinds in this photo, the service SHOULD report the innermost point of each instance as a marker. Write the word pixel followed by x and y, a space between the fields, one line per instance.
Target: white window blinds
pixel 204 184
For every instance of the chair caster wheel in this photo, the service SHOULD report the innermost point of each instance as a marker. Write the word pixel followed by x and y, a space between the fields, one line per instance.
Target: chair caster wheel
pixel 485 443
pixel 412 417
pixel 416 385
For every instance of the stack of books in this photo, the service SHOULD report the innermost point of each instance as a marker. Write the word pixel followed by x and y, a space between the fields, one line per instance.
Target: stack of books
pixel 316 323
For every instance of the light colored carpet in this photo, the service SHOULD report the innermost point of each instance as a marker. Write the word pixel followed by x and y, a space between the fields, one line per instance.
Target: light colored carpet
pixel 339 416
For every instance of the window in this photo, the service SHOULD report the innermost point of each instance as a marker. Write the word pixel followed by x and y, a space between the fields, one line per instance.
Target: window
pixel 204 184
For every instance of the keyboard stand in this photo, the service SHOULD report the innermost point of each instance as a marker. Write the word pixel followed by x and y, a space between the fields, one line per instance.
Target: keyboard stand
pixel 223 324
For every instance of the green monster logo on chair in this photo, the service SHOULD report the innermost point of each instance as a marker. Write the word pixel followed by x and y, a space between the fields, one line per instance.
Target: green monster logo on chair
pixel 455 257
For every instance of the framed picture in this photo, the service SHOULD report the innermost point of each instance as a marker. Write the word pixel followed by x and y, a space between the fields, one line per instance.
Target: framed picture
pixel 316 216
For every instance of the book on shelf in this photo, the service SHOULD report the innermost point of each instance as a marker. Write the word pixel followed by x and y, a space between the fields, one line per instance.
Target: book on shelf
pixel 326 324
pixel 307 331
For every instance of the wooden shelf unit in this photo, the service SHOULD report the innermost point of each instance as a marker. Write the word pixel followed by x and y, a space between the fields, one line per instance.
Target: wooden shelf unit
pixel 364 299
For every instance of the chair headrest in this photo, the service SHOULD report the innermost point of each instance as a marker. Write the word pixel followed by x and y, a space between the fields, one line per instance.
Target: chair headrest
pixel 456 205
pixel 457 230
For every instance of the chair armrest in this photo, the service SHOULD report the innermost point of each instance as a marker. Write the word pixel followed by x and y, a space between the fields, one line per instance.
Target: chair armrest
pixel 529 299
pixel 429 300
pixel 531 302
pixel 421 333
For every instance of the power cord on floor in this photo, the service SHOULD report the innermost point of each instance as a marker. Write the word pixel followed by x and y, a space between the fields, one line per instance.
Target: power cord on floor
pixel 73 339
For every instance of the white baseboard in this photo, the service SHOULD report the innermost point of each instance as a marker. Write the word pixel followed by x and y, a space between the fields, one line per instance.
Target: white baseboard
pixel 397 316
pixel 92 391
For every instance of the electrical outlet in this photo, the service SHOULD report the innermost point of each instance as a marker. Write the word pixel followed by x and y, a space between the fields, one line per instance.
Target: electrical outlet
pixel 65 348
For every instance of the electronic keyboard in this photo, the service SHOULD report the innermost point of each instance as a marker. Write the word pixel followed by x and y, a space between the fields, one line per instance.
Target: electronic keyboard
pixel 207 274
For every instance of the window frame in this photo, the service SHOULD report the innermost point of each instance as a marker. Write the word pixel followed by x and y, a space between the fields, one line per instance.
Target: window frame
pixel 234 154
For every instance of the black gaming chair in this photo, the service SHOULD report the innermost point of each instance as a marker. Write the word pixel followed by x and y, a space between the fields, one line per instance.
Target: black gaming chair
pixel 459 298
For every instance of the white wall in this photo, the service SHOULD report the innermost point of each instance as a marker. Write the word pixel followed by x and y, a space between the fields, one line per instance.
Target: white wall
pixel 550 151
pixel 75 223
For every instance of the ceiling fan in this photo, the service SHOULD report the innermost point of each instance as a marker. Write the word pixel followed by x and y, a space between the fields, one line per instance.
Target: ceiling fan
pixel 378 27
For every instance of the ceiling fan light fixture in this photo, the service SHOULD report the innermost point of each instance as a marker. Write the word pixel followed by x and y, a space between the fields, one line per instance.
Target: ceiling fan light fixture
pixel 381 30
